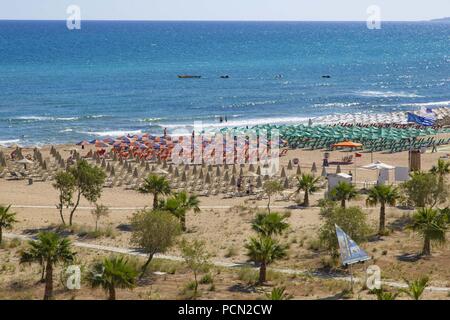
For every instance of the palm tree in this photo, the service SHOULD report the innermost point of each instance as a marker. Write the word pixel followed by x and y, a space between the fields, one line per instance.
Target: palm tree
pixel 431 224
pixel 382 194
pixel 278 293
pixel 112 273
pixel 343 192
pixel 180 203
pixel 7 219
pixel 156 185
pixel 268 224
pixel 441 169
pixel 48 250
pixel 309 184
pixel 264 250
pixel 416 287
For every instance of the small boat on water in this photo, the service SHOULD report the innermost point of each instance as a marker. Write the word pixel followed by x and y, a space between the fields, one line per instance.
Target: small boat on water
pixel 225 76
pixel 187 76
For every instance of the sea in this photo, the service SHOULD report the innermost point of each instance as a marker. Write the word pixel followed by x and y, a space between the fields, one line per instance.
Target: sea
pixel 111 78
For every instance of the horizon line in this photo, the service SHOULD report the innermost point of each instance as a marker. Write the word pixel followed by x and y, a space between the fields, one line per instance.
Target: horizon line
pixel 218 20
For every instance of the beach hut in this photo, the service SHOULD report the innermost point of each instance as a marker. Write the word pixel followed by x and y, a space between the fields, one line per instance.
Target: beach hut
pixel 283 173
pixel 258 170
pixel 135 173
pixel 251 168
pixel 314 168
pixel 217 171
pixel 200 175
pixel 113 172
pixel 233 170
pixel 194 170
pixel 299 170
pixel 208 178
pixel 233 180
pixel 226 176
pixel 338 169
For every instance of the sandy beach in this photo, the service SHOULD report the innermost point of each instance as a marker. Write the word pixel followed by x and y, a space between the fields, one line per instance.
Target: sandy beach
pixel 225 223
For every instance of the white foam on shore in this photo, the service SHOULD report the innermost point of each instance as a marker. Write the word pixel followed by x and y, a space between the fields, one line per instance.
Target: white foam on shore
pixel 7 143
pixel 239 123
pixel 45 118
pixel 387 94
pixel 427 104
pixel 112 133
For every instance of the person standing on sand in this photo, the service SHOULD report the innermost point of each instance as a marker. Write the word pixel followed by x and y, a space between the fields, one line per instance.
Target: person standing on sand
pixel 165 132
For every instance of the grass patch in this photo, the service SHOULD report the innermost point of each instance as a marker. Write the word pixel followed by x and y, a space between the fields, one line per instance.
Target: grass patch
pixel 207 279
pixel 231 252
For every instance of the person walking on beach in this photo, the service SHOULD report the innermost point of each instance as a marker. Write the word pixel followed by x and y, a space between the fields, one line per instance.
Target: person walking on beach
pixel 165 132
pixel 221 119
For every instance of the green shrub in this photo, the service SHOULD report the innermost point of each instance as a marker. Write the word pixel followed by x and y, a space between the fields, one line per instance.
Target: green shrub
pixel 207 279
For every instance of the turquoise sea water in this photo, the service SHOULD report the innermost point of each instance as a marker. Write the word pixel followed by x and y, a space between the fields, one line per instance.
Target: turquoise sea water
pixel 109 78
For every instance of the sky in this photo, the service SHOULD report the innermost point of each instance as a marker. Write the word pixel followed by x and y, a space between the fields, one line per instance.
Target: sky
pixel 297 10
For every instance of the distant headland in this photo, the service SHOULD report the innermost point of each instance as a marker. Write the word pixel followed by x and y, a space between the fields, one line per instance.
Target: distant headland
pixel 446 19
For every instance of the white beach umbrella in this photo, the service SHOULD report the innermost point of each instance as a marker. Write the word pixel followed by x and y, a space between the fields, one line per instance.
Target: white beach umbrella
pixel 378 166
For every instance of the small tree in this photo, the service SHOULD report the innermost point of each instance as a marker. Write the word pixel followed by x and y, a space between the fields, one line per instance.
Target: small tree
pixel 416 287
pixel 179 204
pixel 65 184
pixel 343 192
pixel 153 232
pixel 309 184
pixel 424 190
pixel 268 224
pixel 7 219
pixel 263 251
pixel 89 182
pixel 98 212
pixel 431 224
pixel 271 187
pixel 382 194
pixel 49 249
pixel 352 220
pixel 112 273
pixel 196 258
pixel 155 185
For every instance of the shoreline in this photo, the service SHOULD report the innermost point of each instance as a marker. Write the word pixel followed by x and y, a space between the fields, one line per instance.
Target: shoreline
pixel 395 117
